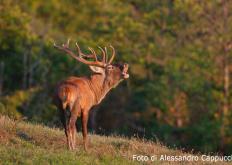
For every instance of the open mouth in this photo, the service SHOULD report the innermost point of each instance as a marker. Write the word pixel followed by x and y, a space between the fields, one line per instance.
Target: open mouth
pixel 125 70
pixel 126 75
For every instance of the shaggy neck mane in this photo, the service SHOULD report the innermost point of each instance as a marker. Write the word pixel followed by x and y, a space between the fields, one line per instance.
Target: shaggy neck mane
pixel 99 87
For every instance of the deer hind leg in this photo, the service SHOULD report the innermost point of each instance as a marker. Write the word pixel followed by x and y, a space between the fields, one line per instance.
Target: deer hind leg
pixel 84 118
pixel 65 119
pixel 75 113
pixel 69 137
pixel 73 130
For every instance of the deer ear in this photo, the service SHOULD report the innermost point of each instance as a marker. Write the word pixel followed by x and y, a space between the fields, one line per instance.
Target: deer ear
pixel 97 69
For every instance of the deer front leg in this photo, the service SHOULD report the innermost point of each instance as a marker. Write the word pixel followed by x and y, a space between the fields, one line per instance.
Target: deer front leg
pixel 84 118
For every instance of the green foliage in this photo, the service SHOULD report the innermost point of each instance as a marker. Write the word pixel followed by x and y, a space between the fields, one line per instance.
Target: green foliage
pixel 10 105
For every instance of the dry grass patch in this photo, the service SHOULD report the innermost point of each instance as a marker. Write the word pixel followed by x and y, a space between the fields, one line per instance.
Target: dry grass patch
pixel 25 143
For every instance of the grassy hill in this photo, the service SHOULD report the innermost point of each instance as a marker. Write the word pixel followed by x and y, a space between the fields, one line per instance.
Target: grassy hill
pixel 25 143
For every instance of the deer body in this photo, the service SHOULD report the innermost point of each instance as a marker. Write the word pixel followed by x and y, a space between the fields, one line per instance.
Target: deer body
pixel 75 96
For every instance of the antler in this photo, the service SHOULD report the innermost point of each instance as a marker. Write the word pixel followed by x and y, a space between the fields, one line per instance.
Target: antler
pixel 103 63
pixel 65 48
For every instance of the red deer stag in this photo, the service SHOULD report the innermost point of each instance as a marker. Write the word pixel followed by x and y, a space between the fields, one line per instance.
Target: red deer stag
pixel 75 96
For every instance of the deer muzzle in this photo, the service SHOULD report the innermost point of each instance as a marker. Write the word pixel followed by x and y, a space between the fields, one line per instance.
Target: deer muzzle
pixel 125 71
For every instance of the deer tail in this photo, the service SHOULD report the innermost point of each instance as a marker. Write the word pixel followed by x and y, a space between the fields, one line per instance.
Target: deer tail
pixel 63 96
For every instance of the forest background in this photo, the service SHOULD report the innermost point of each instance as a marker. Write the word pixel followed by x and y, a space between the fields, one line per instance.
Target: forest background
pixel 179 91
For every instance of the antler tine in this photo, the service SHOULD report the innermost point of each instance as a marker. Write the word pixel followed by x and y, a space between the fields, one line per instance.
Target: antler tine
pixel 93 55
pixel 85 55
pixel 79 50
pixel 66 45
pixel 93 52
pixel 113 54
pixel 104 54
pixel 68 41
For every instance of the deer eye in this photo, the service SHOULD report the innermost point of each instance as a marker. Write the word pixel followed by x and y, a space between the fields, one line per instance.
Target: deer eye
pixel 110 67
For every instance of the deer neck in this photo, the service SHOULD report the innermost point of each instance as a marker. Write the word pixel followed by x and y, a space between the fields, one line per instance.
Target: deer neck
pixel 99 87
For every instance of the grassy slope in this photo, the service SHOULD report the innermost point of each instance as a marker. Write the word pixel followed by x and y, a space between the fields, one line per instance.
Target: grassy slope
pixel 24 143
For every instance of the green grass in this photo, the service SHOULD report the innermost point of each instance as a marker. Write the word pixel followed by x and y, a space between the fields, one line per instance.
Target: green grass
pixel 25 143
